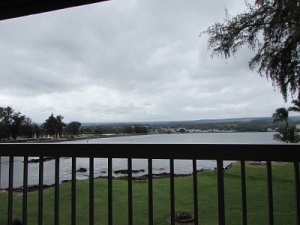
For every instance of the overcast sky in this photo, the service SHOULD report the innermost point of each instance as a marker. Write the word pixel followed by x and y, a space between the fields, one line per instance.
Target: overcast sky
pixel 133 60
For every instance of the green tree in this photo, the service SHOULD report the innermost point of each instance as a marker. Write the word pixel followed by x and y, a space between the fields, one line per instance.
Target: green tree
pixel 296 107
pixel 29 129
pixel 272 29
pixel 60 125
pixel 6 114
pixel 54 125
pixel 14 124
pixel 11 123
pixel 281 115
pixel 128 129
pixel 286 134
pixel 17 122
pixel 73 128
pixel 140 129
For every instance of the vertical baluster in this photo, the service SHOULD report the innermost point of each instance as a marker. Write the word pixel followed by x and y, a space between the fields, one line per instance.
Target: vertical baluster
pixel 92 191
pixel 297 190
pixel 195 188
pixel 25 185
pixel 56 200
pixel 150 192
pixel 10 189
pixel 41 178
pixel 172 191
pixel 73 202
pixel 244 196
pixel 270 192
pixel 130 222
pixel 0 170
pixel 110 193
pixel 221 203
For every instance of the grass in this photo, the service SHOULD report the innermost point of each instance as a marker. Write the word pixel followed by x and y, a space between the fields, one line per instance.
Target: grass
pixel 257 199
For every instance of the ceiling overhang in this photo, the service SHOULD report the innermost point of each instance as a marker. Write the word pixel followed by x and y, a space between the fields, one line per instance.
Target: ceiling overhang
pixel 17 8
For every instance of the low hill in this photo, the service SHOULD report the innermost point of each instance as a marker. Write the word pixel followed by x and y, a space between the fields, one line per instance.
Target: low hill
pixel 255 124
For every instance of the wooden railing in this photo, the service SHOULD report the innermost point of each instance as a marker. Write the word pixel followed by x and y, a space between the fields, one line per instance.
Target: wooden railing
pixel 171 152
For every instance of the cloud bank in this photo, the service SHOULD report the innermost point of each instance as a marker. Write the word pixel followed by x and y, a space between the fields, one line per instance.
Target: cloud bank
pixel 132 60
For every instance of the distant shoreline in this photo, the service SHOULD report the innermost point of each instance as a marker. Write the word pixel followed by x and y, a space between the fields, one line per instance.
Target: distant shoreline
pixel 99 136
pixel 51 140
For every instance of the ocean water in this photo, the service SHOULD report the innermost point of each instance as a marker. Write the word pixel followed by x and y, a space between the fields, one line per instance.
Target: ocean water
pixel 159 165
pixel 187 138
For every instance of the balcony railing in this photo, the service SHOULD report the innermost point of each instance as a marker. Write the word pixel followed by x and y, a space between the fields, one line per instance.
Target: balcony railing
pixel 194 152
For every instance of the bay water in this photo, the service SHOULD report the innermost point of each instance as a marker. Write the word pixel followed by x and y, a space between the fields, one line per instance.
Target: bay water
pixel 160 166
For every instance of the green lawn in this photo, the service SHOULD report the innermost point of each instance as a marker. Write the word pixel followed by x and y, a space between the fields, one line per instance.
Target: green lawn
pixel 283 189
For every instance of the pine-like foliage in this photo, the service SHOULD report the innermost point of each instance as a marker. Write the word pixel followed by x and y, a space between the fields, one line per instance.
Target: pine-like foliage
pixel 271 28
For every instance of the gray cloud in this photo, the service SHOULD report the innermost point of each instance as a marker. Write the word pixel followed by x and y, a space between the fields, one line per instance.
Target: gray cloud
pixel 130 60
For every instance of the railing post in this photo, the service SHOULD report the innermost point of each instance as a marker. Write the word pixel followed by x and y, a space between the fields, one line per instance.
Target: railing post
pixel 150 192
pixel 221 203
pixel 56 200
pixel 195 187
pixel 110 193
pixel 25 184
pixel 297 191
pixel 270 192
pixel 73 201
pixel 91 183
pixel 0 169
pixel 172 191
pixel 10 190
pixel 243 189
pixel 41 178
pixel 129 161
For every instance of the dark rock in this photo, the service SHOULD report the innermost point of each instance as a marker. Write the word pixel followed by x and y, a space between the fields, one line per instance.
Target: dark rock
pixel 38 160
pixel 82 170
pixel 16 222
pixel 126 171
pixel 184 217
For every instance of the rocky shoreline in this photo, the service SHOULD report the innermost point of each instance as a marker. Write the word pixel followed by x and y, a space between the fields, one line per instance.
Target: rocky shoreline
pixel 32 188
pixel 51 140
pixel 124 172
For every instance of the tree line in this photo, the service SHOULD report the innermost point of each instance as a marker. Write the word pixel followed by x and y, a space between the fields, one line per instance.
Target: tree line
pixel 125 128
pixel 14 124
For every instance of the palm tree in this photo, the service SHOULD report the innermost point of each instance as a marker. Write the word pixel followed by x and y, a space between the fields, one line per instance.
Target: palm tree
pixel 287 134
pixel 296 107
pixel 294 137
pixel 281 115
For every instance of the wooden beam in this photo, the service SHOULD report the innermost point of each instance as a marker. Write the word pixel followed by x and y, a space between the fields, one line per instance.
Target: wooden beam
pixel 17 8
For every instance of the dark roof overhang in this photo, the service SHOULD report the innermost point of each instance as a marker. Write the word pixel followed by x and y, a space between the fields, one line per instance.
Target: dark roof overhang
pixel 17 8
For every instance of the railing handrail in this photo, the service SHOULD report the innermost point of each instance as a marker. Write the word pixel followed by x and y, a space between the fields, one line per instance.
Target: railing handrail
pixel 273 152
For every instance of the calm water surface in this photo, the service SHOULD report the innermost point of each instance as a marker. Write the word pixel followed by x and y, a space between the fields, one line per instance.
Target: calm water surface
pixel 159 165
pixel 187 138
